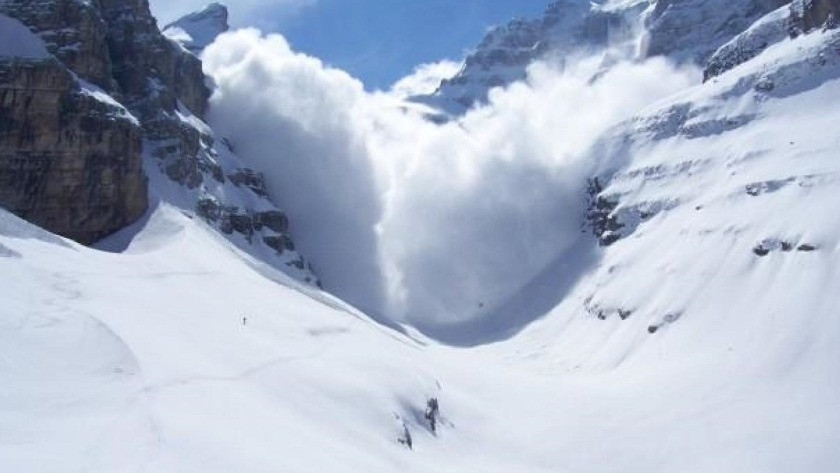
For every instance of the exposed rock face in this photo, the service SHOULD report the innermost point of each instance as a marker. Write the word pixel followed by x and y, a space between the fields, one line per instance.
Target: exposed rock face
pixel 73 31
pixel 691 30
pixel 116 45
pixel 250 179
pixel 197 30
pixel 800 17
pixel 70 160
pixel 72 154
pixel 770 29
pixel 152 71
pixel 807 15
pixel 600 215
pixel 81 165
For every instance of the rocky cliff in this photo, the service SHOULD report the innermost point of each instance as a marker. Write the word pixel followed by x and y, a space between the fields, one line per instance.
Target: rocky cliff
pixel 807 15
pixel 108 96
pixel 691 30
pixel 70 157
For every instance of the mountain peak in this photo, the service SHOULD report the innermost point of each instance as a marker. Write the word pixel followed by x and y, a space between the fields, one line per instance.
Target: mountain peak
pixel 196 30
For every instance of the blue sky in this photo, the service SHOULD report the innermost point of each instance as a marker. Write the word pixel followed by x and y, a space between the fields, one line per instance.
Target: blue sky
pixel 378 41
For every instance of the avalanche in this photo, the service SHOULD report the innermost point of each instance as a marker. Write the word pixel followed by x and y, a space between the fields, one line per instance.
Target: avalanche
pixel 701 335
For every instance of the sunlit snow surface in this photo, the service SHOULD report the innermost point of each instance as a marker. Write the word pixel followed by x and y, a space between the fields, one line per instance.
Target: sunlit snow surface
pixel 183 354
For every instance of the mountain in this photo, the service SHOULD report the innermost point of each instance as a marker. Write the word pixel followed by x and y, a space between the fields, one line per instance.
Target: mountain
pixel 198 29
pixel 685 31
pixel 102 116
pixel 693 328
pixel 504 54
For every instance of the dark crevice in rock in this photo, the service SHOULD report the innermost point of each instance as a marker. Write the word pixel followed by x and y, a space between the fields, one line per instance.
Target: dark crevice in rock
pixel 600 215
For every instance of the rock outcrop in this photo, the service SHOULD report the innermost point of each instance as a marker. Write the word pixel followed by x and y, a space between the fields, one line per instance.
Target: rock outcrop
pixel 770 29
pixel 106 96
pixel 800 17
pixel 692 30
pixel 73 31
pixel 153 72
pixel 807 15
pixel 68 161
pixel 70 157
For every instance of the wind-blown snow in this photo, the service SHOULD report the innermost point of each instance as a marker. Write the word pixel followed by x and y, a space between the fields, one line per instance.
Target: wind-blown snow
pixel 425 79
pixel 196 30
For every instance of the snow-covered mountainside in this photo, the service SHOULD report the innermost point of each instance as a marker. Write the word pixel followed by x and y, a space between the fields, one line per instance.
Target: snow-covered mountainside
pixel 693 327
pixel 689 30
pixel 567 27
pixel 198 29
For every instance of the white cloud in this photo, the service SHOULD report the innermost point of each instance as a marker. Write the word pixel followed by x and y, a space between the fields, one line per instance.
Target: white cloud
pixel 425 78
pixel 408 219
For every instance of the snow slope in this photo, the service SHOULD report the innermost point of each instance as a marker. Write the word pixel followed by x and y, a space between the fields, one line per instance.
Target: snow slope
pixel 704 338
pixel 197 30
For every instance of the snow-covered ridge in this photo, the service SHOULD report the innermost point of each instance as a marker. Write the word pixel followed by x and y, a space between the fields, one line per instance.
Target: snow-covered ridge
pixel 198 29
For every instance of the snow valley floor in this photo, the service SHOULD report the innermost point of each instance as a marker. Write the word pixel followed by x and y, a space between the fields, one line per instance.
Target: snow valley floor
pixel 142 362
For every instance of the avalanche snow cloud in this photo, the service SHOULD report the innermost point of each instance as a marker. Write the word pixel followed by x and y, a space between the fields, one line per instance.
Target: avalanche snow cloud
pixel 431 224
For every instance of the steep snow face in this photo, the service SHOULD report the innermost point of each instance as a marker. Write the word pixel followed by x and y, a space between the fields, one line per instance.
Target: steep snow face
pixel 16 40
pixel 198 29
